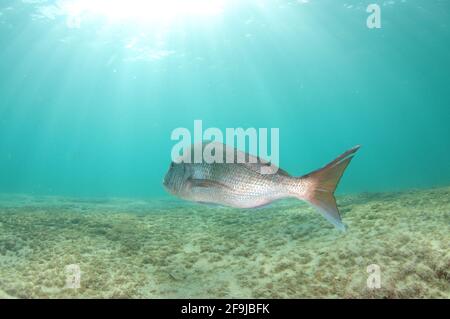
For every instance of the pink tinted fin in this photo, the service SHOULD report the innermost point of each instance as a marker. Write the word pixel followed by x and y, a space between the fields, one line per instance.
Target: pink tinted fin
pixel 322 183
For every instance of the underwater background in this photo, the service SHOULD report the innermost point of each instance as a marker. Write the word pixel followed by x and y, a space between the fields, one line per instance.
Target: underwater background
pixel 90 92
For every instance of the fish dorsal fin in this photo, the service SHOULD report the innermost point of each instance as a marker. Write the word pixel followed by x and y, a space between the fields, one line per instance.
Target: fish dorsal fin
pixel 254 163
pixel 249 161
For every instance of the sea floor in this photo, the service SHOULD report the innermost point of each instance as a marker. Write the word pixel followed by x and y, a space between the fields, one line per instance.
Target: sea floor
pixel 163 249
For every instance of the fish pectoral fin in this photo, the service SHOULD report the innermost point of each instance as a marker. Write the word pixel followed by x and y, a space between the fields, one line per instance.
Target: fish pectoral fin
pixel 206 183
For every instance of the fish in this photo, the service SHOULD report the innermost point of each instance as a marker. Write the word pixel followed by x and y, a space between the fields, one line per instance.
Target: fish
pixel 249 181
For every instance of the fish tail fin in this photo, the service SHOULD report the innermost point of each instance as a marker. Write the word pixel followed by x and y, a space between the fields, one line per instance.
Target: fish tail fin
pixel 321 184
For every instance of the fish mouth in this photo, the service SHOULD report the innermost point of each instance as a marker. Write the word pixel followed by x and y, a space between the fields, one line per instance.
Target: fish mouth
pixel 165 183
pixel 169 190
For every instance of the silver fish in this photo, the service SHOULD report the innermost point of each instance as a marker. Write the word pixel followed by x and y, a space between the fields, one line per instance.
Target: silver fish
pixel 242 183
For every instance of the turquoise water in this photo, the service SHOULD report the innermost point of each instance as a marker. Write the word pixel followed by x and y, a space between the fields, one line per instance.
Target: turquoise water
pixel 91 91
pixel 88 101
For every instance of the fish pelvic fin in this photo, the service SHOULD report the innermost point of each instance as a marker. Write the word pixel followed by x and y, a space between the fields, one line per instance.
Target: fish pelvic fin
pixel 319 187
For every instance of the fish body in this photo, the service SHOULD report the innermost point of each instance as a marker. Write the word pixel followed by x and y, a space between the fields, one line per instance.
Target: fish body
pixel 249 181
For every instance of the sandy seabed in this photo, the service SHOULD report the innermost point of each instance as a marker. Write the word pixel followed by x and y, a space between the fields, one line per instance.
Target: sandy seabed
pixel 164 249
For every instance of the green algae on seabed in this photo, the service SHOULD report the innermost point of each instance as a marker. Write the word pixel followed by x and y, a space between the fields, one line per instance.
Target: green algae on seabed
pixel 156 249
